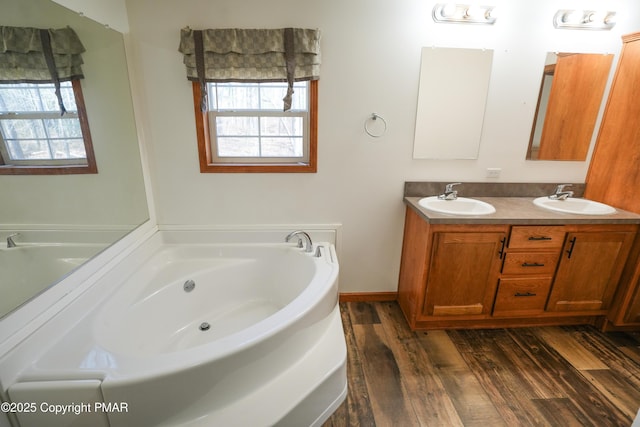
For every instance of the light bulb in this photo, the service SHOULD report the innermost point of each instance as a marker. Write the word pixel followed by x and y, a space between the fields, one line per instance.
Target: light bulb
pixel 610 19
pixel 573 17
pixel 449 10
pixel 474 12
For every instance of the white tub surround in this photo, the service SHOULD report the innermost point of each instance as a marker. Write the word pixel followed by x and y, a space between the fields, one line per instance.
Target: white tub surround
pixel 43 257
pixel 194 329
pixel 29 269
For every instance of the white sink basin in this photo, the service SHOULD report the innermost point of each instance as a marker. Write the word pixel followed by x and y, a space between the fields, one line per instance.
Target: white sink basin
pixel 575 206
pixel 459 206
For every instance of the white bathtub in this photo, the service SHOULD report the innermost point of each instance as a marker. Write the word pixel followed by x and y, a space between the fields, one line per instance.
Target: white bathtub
pixel 258 341
pixel 28 269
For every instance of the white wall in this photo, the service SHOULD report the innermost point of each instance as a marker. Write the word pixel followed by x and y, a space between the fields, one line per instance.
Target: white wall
pixel 371 58
pixel 111 12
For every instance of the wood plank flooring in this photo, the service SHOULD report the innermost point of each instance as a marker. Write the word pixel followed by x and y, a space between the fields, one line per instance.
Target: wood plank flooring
pixel 542 376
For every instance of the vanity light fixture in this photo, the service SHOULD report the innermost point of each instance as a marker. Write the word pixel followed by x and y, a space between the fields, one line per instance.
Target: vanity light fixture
pixel 463 14
pixel 584 20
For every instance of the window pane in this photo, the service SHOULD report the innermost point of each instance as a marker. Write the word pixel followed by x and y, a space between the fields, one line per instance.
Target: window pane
pixel 238 147
pixel 49 99
pixel 68 97
pixel 23 129
pixel 271 95
pixel 281 126
pixel 29 150
pixel 231 96
pixel 18 100
pixel 63 128
pixel 282 147
pixel 236 126
pixel 68 149
pixel 27 97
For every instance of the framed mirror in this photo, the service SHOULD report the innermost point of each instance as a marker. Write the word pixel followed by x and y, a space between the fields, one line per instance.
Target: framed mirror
pixel 571 94
pixel 454 83
pixel 58 222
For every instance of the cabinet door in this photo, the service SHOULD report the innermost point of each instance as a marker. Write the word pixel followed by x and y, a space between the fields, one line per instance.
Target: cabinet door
pixel 589 271
pixel 463 273
pixel 614 175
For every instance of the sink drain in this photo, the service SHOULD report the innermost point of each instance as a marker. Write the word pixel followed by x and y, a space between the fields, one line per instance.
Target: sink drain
pixel 204 326
pixel 189 285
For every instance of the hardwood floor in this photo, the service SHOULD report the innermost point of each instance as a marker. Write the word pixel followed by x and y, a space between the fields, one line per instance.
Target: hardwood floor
pixel 542 376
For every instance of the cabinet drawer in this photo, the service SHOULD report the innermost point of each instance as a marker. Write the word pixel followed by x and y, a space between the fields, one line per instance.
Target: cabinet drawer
pixel 530 263
pixel 521 296
pixel 531 236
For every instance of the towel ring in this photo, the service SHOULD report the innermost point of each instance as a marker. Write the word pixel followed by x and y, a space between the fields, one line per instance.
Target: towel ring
pixel 373 118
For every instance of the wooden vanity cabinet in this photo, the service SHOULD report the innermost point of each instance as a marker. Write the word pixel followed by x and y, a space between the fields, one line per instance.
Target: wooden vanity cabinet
pixel 527 273
pixel 499 275
pixel 590 268
pixel 463 271
pixel 632 315
pixel 625 308
pixel 448 271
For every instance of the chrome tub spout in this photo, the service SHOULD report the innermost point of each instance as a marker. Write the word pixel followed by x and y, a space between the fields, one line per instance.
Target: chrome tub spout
pixel 10 242
pixel 302 236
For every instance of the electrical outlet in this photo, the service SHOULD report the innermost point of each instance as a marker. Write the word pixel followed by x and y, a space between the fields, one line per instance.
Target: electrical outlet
pixel 493 172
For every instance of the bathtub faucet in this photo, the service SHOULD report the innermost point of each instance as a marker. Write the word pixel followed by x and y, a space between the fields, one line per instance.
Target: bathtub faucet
pixel 10 242
pixel 301 235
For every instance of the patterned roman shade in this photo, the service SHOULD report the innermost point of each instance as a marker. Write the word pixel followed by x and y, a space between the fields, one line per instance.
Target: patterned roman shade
pixel 33 55
pixel 251 55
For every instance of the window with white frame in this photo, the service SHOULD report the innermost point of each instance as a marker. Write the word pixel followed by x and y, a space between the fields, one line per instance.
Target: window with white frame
pixel 247 124
pixel 255 94
pixel 243 127
pixel 36 138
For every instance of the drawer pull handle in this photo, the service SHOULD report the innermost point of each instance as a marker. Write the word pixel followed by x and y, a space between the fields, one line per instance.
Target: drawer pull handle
pixel 532 264
pixel 525 294
pixel 502 244
pixel 572 242
pixel 540 238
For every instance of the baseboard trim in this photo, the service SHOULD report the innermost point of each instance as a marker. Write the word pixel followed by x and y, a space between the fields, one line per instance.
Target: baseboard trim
pixel 368 296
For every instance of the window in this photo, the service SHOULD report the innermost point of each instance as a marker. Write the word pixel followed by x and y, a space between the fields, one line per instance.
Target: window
pixel 245 130
pixel 35 138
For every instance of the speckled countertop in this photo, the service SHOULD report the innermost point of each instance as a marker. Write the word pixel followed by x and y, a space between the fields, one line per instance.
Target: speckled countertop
pixel 520 210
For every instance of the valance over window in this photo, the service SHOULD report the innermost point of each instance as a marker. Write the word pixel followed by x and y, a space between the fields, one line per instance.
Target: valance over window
pixel 251 55
pixel 33 55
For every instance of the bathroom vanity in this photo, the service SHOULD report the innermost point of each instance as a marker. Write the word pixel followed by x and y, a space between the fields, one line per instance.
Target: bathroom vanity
pixel 520 266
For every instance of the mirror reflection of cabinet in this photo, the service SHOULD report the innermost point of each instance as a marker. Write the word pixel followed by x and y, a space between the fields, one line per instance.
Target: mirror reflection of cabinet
pixel 570 97
pixel 453 91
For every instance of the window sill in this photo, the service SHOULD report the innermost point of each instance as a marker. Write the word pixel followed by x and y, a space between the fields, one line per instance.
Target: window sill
pixel 48 170
pixel 253 168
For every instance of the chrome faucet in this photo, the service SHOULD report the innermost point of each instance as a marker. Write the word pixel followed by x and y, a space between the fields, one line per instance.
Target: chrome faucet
pixel 449 192
pixel 560 193
pixel 301 235
pixel 10 242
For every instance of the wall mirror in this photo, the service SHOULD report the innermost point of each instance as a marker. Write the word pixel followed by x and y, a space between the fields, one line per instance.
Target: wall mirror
pixel 64 220
pixel 571 94
pixel 451 102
